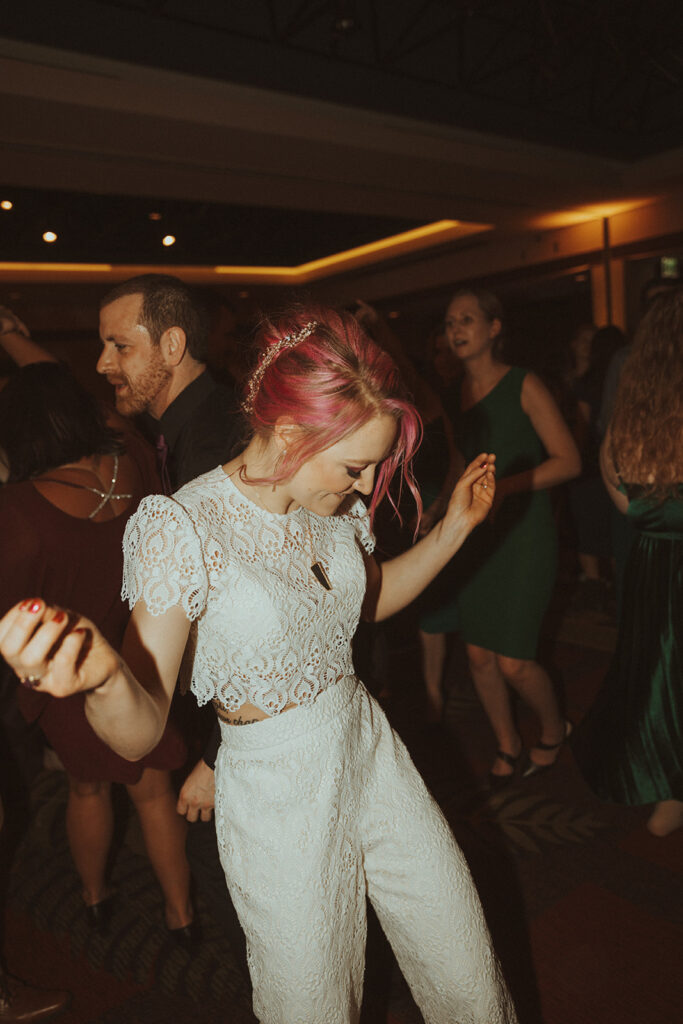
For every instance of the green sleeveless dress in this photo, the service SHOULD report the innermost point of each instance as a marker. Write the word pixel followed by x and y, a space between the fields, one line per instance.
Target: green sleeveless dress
pixel 630 745
pixel 506 568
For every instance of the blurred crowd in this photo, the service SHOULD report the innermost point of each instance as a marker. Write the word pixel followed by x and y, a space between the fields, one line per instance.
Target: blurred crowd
pixel 589 485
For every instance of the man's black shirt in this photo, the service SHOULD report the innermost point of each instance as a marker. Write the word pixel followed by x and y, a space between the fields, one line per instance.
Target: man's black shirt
pixel 202 427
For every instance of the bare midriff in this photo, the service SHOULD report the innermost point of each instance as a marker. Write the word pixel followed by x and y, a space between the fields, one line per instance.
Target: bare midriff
pixel 246 715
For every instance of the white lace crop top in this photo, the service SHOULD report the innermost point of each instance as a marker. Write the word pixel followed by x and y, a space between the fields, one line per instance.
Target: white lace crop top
pixel 267 631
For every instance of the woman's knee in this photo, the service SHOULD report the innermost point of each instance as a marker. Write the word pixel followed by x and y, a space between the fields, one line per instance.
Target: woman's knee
pixel 153 784
pixel 514 670
pixel 84 790
pixel 480 658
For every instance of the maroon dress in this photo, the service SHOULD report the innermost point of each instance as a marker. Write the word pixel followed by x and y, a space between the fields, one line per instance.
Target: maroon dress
pixel 76 563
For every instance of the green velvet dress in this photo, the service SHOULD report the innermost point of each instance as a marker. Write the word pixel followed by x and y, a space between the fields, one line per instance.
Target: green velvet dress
pixel 505 571
pixel 630 745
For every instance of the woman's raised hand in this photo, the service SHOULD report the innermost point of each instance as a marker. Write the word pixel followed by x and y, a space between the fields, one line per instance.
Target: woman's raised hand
pixel 474 492
pixel 53 650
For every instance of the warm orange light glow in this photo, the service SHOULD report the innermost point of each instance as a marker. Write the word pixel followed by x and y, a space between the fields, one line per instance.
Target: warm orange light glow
pixel 423 237
pixel 6 204
pixel 384 248
pixel 583 214
pixel 49 236
pixel 60 268
pixel 154 216
pixel 441 230
pixel 168 240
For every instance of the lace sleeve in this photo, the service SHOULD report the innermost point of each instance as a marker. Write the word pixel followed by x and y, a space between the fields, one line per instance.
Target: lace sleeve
pixel 360 518
pixel 162 559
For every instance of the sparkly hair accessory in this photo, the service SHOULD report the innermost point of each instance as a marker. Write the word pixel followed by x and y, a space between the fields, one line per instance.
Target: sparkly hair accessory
pixel 287 341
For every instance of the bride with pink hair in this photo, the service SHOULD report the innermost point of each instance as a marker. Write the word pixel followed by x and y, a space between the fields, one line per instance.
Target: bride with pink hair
pixel 267 562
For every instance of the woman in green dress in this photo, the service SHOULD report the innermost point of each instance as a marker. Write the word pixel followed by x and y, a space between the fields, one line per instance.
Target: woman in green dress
pixel 630 746
pixel 506 570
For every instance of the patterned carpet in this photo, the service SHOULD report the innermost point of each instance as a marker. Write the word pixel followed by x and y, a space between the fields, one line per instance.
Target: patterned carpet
pixel 584 905
pixel 159 979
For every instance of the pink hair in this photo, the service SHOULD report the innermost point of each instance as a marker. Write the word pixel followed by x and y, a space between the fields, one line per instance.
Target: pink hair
pixel 330 384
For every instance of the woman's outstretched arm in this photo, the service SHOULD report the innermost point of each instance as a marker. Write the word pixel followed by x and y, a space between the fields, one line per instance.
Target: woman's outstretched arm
pixel 394 584
pixel 128 696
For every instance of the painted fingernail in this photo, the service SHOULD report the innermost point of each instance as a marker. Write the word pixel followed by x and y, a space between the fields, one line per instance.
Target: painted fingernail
pixel 31 606
pixel 79 629
pixel 482 465
pixel 59 617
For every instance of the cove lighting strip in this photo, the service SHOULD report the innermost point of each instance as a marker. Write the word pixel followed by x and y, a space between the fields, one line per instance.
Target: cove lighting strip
pixel 383 249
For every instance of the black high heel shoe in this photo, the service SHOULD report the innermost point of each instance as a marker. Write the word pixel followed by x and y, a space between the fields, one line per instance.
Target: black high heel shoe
pixel 536 769
pixel 98 915
pixel 497 782
pixel 188 937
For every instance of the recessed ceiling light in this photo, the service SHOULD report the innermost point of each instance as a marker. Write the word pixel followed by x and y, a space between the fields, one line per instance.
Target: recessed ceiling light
pixel 168 240
pixel 49 236
pixel 154 216
pixel 6 204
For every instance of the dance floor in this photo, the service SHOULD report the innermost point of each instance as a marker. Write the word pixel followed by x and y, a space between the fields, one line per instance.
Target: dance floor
pixel 584 905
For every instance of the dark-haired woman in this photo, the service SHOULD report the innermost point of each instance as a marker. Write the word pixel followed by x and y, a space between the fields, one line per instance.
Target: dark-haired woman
pixel 318 805
pixel 73 486
pixel 506 570
pixel 630 746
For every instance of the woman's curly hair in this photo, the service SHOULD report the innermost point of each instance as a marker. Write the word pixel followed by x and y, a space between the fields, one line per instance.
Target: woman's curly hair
pixel 647 423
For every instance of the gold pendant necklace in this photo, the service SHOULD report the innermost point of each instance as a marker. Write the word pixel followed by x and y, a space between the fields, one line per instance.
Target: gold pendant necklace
pixel 317 567
pixel 323 579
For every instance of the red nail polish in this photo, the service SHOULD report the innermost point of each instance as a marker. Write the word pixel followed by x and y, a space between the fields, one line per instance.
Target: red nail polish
pixel 482 465
pixel 32 606
pixel 59 617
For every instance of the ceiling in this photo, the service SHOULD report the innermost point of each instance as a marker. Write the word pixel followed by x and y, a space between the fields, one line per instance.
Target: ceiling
pixel 598 76
pixel 273 132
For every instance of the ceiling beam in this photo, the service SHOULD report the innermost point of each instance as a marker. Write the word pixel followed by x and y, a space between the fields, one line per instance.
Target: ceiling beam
pixel 89 124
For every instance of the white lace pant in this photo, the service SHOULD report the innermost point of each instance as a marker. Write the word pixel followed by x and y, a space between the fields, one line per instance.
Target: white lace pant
pixel 316 808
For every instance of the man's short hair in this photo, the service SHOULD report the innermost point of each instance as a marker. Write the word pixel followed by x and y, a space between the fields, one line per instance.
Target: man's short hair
pixel 167 302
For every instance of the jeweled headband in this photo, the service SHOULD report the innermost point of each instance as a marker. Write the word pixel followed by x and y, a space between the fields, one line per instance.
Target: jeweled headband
pixel 288 341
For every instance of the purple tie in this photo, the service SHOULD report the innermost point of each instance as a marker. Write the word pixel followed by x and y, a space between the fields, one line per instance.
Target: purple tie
pixel 162 463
